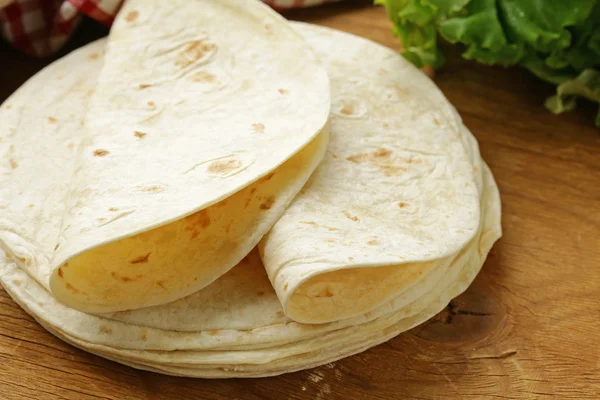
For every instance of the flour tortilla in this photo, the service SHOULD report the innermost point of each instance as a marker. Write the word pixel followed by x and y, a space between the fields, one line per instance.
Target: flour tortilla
pixel 395 194
pixel 194 141
pixel 231 328
pixel 307 353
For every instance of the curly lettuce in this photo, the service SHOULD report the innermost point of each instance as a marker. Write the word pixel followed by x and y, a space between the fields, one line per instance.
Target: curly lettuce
pixel 557 41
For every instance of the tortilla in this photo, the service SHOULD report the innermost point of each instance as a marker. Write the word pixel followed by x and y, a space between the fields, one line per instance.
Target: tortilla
pixel 171 178
pixel 395 194
pixel 236 327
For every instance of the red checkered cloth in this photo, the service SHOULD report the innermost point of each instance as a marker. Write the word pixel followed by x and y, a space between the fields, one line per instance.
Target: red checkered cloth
pixel 41 27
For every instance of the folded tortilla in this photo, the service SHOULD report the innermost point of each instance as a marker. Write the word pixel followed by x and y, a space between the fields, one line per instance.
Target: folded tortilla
pixel 237 326
pixel 198 131
pixel 396 193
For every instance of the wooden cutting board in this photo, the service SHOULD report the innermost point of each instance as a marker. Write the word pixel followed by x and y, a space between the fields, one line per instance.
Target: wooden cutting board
pixel 528 328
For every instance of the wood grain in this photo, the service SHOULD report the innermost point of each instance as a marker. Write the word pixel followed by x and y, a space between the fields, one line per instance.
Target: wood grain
pixel 528 328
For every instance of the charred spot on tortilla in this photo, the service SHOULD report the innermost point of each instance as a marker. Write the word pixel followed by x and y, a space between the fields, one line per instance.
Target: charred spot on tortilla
pixel 267 177
pixel 124 278
pixel 268 203
pixel 402 204
pixel 139 134
pixel 144 85
pixel 132 16
pixel 224 167
pixel 140 259
pixel 60 272
pixel 100 152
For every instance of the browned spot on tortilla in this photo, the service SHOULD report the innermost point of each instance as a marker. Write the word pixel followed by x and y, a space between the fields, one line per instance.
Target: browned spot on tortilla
pixel 152 104
pixel 200 218
pixel 386 125
pixel 283 91
pixel 228 227
pixel 30 206
pixel 402 204
pixel 261 293
pixel 319 226
pixel 72 288
pixel 224 167
pixel 105 329
pixel 144 334
pixel 113 209
pixel 252 191
pixel 260 128
pixel 268 203
pixel 437 121
pixel 52 120
pixel 132 16
pixel 213 332
pixel 8 107
pixel 193 52
pixel 57 246
pixel 70 146
pixel 124 278
pixel 161 283
pixel 247 201
pixel 350 216
pixel 144 85
pixel 350 258
pixel 93 56
pixel 330 240
pixel 152 189
pixel 267 177
pixel 100 152
pixel 204 76
pixel 370 157
pixel 391 169
pixel 101 219
pixel 89 93
pixel 475 169
pixel 372 242
pixel 140 259
pixel 139 134
pixel 285 287
pixel 60 272
pixel 17 282
pixel 13 163
pixel 325 293
pixel 279 313
pixel 347 108
pixel 335 156
pixel 188 339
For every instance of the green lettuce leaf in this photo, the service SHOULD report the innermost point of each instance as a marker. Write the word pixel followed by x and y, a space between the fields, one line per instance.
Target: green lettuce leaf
pixel 558 41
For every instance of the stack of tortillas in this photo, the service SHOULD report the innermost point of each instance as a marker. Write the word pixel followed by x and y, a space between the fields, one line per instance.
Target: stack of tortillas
pixel 213 191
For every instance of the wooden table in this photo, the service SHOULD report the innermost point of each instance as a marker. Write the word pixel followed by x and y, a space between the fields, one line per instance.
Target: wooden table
pixel 528 328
